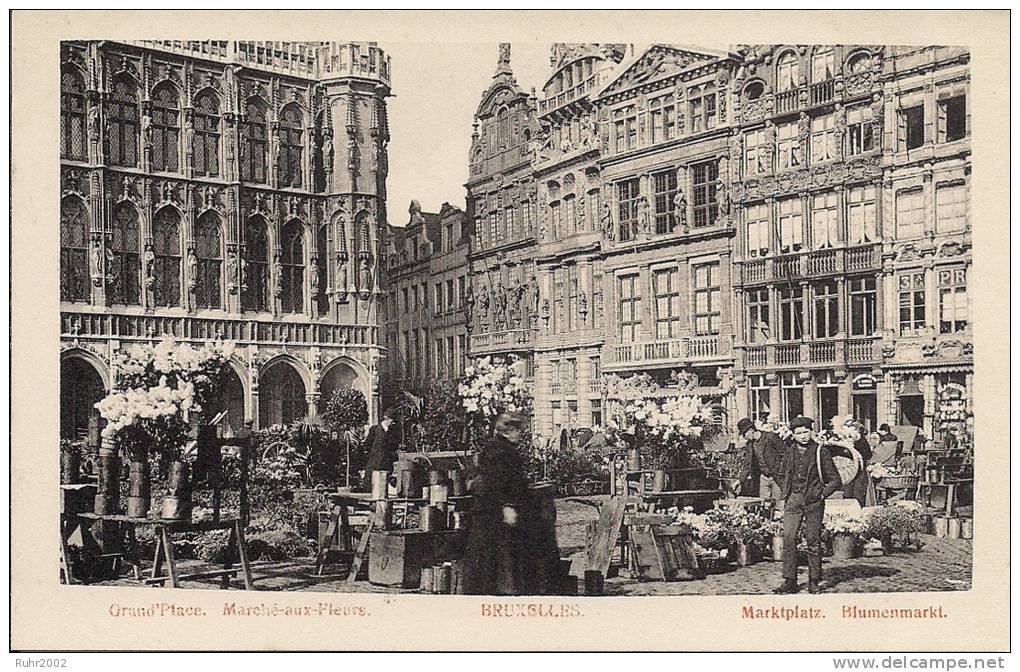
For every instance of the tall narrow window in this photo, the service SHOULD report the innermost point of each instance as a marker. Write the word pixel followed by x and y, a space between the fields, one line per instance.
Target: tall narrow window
pixel 559 300
pixel 625 126
pixel 787 72
pixel 291 146
pixel 823 138
pixel 826 309
pixel 209 252
pixel 707 299
pixel 630 309
pixel 526 218
pixel 702 108
pixel 950 208
pixel 755 155
pixel 758 317
pixel 912 127
pixel 166 245
pixel 72 117
pixel 573 288
pixel 759 230
pixel 788 146
pixel 122 120
pixel 292 258
pixel 124 266
pixel 166 129
pixel 791 313
pixel 256 253
pixel 910 214
pixel 863 306
pixel 952 118
pixel 953 309
pixel 503 128
pixel 664 183
pixel 451 302
pixel 705 177
pixel 253 143
pixel 759 397
pixel 791 228
pixel 570 215
pixel 206 145
pixel 594 210
pixel 860 133
pixel 825 220
pixel 823 64
pixel 791 392
pixel 911 299
pixel 555 219
pixel 627 193
pixel 437 306
pixel 666 284
pixel 322 268
pixel 663 111
pixel 862 218
pixel 74 247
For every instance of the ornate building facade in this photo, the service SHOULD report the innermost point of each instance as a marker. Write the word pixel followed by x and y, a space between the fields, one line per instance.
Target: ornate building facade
pixel 229 190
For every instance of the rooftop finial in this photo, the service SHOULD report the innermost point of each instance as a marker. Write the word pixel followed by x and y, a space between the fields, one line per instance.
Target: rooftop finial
pixel 503 64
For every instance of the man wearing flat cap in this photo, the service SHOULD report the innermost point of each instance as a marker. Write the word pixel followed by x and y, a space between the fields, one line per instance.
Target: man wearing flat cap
pixel 809 477
pixel 763 462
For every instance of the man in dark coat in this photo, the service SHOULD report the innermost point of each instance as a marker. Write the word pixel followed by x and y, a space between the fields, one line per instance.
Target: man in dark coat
pixel 763 461
pixel 382 442
pixel 496 556
pixel 809 477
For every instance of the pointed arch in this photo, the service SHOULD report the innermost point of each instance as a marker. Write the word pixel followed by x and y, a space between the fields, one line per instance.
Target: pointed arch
pixel 73 134
pixel 122 114
pixel 283 383
pixel 291 145
pixel 166 248
pixel 292 260
pixel 209 254
pixel 124 256
pixel 254 140
pixel 166 127
pixel 255 276
pixel 205 145
pixel 84 381
pixel 74 248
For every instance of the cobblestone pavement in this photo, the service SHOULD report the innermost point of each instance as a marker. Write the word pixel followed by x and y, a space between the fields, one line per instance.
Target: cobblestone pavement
pixel 940 565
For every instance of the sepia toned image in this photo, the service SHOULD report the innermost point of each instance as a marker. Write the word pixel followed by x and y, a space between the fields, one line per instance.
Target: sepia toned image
pixel 530 328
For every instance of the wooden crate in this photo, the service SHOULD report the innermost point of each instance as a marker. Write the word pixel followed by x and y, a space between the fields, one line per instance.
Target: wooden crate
pixel 396 557
pixel 663 553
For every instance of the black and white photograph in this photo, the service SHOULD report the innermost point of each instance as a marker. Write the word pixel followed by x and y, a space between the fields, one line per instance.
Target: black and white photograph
pixel 513 317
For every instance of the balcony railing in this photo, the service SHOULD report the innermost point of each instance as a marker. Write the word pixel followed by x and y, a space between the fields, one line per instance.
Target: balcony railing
pixel 860 350
pixel 568 96
pixel 754 271
pixel 821 262
pixel 787 354
pixel 687 349
pixel 786 267
pixel 824 352
pixel 786 101
pixel 595 386
pixel 811 263
pixel 862 258
pixel 151 327
pixel 822 92
pixel 506 340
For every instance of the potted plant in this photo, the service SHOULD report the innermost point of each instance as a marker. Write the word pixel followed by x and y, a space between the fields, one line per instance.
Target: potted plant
pixel 749 534
pixel 346 416
pixel 846 531
pixel 774 529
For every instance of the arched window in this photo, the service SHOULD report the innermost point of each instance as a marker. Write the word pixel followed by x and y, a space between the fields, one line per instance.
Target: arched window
pixel 122 118
pixel 209 252
pixel 859 62
pixel 255 295
pixel 290 146
pixel 823 64
pixel 322 260
pixel 124 268
pixel 292 258
pixel 253 143
pixel 72 117
pixel 363 233
pixel 166 245
pixel 166 129
pixel 787 72
pixel 206 144
pixel 74 244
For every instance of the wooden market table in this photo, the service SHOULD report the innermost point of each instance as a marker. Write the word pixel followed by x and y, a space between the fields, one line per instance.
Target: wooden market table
pixel 165 531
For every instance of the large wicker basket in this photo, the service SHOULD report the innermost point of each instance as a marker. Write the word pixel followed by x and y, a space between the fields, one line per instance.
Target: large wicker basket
pixel 898 482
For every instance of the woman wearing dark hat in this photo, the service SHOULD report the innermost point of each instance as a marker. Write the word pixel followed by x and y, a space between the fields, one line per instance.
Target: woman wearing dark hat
pixel 496 554
pixel 810 476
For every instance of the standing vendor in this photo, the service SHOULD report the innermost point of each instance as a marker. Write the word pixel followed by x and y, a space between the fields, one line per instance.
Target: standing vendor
pixel 382 442
pixel 763 459
pixel 810 477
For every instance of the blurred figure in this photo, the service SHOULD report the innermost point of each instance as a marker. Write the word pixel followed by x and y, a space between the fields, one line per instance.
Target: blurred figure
pixel 382 442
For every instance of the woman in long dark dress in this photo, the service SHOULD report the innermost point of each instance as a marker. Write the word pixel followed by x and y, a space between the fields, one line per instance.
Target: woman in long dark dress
pixel 496 556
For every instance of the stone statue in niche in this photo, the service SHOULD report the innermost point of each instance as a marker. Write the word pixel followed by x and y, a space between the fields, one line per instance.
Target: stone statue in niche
pixel 532 297
pixel 679 210
pixel 606 222
pixel 112 272
pixel 644 218
pixel 232 271
pixel 469 306
pixel 93 123
pixel 313 279
pixel 278 277
pixel 149 264
pixel 146 132
pixel 722 197
pixel 366 274
pixel 243 266
pixel 192 270
pixel 341 275
pixel 582 305
pixel 97 262
pixel 483 303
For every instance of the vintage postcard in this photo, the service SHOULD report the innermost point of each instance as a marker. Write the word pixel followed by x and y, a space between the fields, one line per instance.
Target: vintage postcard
pixel 557 330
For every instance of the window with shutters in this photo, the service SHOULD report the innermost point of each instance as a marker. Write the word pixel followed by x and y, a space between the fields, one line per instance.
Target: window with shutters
pixel 209 253
pixel 255 294
pixel 758 318
pixel 166 245
pixel 860 131
pixel 825 220
pixel 291 146
pixel 791 313
pixel 253 143
pixel 759 230
pixel 952 118
pixel 862 217
pixel 910 214
pixel 950 208
pixel 664 184
pixel 826 302
pixel 124 266
pixel 704 178
pixel 953 309
pixel 863 306
pixel 911 132
pixel 74 248
pixel 823 138
pixel 791 227
pixel 707 299
pixel 755 153
pixel 122 123
pixel 788 146
pixel 627 194
pixel 206 143
pixel 630 308
pixel 73 136
pixel 166 129
pixel 911 302
pixel 787 72
pixel 666 285
pixel 292 259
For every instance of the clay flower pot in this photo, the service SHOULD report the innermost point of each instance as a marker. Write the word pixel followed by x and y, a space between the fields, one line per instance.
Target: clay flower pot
pixel 139 498
pixel 844 546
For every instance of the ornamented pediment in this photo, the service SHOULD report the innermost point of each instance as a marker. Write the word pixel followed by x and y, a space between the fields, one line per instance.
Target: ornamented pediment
pixel 657 61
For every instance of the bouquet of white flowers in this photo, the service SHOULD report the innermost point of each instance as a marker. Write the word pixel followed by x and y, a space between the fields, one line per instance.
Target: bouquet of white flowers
pixel 491 387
